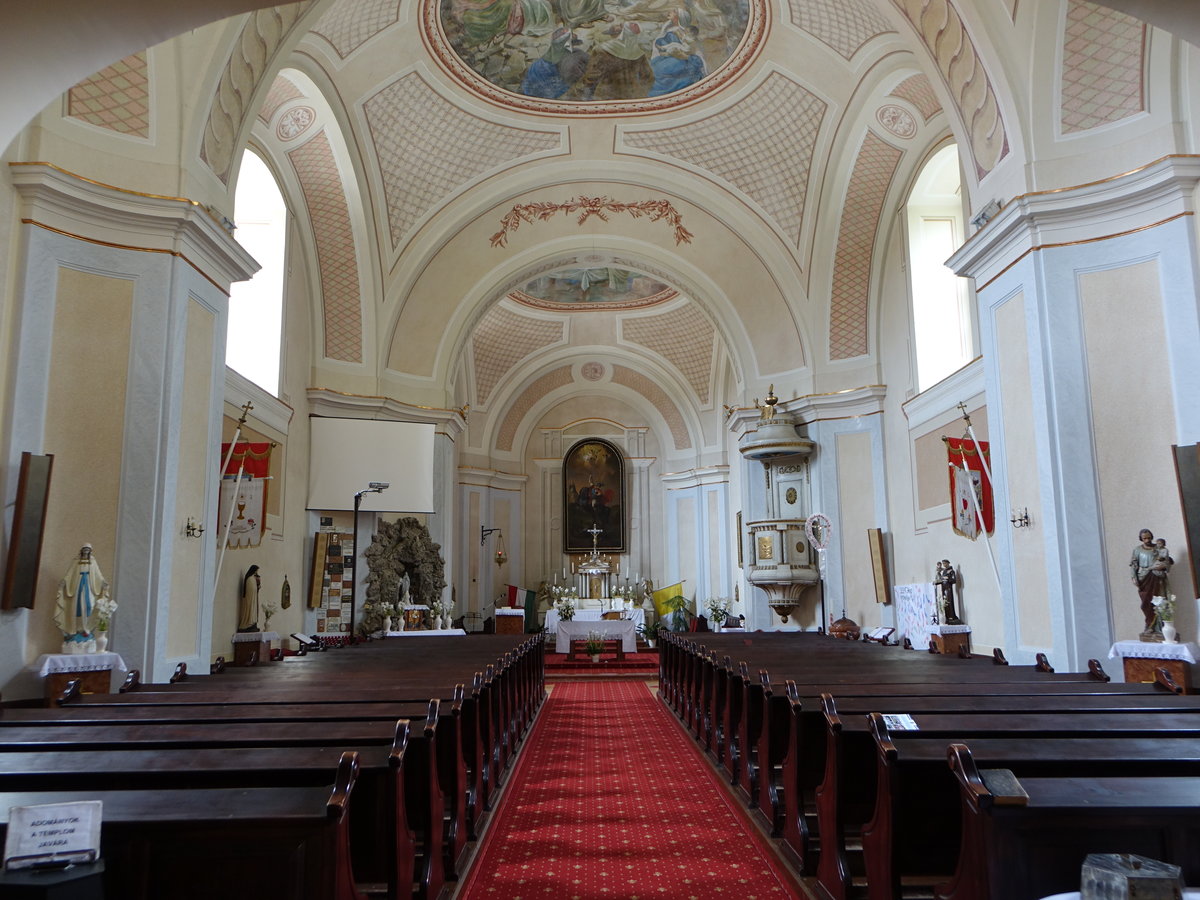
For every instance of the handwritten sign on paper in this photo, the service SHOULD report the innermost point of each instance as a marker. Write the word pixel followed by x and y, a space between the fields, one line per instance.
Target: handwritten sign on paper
pixel 53 834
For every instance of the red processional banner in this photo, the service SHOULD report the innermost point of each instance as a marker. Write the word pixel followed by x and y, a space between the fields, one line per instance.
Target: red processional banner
pixel 969 464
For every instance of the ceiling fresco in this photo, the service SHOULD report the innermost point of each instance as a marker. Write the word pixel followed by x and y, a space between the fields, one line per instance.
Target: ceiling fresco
pixel 588 56
pixel 591 286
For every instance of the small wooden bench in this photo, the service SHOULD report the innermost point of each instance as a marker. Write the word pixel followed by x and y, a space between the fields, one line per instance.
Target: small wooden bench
pixel 611 645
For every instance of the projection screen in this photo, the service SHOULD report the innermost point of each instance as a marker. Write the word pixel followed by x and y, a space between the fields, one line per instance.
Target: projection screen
pixel 346 455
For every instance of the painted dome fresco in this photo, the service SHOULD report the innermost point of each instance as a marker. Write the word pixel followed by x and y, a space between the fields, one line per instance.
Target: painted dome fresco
pixel 594 56
pixel 591 283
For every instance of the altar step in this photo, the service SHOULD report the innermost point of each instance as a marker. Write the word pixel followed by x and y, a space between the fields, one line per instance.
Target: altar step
pixel 643 663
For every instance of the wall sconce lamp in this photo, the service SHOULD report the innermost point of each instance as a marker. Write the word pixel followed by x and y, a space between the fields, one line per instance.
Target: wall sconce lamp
pixel 192 529
pixel 1020 519
pixel 499 557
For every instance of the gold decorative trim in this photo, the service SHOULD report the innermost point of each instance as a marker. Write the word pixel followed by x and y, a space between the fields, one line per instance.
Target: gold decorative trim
pixel 111 187
pixel 461 410
pixel 1092 240
pixel 730 410
pixel 1086 184
pixel 115 246
pixel 587 207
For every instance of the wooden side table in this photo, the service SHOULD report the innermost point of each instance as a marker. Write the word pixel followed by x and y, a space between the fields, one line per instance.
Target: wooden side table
pixel 950 638
pixel 247 643
pixel 510 621
pixel 1141 658
pixel 92 670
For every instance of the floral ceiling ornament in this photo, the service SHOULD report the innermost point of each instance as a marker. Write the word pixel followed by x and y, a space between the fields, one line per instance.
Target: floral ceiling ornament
pixel 586 208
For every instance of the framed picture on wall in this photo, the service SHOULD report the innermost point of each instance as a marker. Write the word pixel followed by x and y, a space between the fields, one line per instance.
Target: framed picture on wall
pixel 28 526
pixel 594 497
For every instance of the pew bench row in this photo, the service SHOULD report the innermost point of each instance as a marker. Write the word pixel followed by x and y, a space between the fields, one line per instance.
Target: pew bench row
pixel 856 805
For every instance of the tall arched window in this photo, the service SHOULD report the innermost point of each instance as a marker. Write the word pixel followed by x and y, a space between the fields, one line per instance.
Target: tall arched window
pixel 252 346
pixel 942 329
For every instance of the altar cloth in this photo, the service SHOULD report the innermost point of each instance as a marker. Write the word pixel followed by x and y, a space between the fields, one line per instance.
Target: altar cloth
pixel 637 616
pixel 577 629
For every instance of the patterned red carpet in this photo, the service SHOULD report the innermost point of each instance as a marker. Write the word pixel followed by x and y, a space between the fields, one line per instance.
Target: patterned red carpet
pixel 611 800
pixel 635 664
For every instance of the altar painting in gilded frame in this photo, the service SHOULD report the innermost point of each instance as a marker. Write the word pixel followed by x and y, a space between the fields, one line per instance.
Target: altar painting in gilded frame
pixel 594 497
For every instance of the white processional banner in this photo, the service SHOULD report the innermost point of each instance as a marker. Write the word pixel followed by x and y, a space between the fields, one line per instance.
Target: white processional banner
pixel 246 529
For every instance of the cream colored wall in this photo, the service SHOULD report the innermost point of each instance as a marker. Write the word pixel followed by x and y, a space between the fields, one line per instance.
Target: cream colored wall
pixel 85 425
pixel 1127 372
pixel 856 490
pixel 184 603
pixel 1029 553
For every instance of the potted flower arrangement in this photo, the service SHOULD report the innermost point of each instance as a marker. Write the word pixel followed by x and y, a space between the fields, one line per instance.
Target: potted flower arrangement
pixel 594 645
pixel 649 632
pixel 1165 607
pixel 718 612
pixel 103 610
pixel 565 607
pixel 268 610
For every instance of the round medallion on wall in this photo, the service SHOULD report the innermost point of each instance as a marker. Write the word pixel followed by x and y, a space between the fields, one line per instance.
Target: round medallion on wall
pixel 897 120
pixel 801 546
pixel 592 371
pixel 790 496
pixel 589 57
pixel 294 122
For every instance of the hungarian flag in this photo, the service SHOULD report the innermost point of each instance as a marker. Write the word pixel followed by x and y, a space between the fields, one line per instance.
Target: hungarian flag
pixel 970 516
pixel 523 598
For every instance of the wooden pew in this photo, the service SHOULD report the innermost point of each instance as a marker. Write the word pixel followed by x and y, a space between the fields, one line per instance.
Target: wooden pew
pixel 382 843
pixel 290 843
pixel 913 836
pixel 791 780
pixel 846 797
pixel 1062 821
pixel 425 808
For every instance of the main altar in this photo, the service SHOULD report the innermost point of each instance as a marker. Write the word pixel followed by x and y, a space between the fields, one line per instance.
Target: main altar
pixel 600 605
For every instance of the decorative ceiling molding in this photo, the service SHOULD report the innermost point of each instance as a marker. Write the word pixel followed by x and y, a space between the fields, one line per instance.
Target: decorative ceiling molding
pixel 282 90
pixel 415 130
pixel 329 214
pixel 941 29
pixel 740 145
pixel 648 388
pixel 547 383
pixel 851 294
pixel 502 339
pixel 263 34
pixel 917 90
pixel 684 337
pixel 116 98
pixel 348 24
pixel 585 208
pixel 1103 66
pixel 843 25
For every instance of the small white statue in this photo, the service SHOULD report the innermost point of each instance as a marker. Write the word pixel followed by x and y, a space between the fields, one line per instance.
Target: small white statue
pixel 78 593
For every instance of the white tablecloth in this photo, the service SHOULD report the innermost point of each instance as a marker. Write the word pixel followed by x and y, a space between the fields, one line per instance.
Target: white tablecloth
pixel 48 663
pixel 441 632
pixel 1186 651
pixel 637 616
pixel 255 637
pixel 948 629
pixel 577 629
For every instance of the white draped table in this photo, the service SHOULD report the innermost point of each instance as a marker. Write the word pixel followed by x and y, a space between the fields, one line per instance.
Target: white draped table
pixel 637 616
pixel 578 629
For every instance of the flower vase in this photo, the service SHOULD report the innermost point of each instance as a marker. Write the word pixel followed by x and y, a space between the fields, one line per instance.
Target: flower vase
pixel 101 641
pixel 397 623
pixel 716 626
pixel 1170 636
pixel 595 657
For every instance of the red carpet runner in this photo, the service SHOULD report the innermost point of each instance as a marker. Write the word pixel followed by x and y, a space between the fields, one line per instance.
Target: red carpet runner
pixel 611 800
